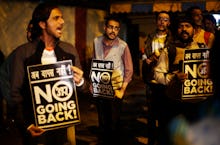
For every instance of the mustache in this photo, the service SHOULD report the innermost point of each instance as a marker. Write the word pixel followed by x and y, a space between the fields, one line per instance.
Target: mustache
pixel 112 33
pixel 184 32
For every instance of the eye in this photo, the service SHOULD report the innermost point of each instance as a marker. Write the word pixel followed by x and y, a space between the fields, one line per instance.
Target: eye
pixel 56 18
pixel 116 28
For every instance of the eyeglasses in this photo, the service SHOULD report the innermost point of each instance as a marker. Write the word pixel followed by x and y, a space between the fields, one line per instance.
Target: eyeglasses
pixel 163 19
pixel 113 28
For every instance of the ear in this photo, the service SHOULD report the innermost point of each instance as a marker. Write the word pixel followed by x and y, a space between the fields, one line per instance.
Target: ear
pixel 169 23
pixel 42 24
pixel 194 31
pixel 104 27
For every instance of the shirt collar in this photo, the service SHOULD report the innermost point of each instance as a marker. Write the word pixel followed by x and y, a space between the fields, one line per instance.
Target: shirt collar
pixel 114 42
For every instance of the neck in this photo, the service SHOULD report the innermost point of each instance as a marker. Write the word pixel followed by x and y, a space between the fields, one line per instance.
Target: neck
pixel 159 32
pixel 108 42
pixel 49 42
pixel 198 29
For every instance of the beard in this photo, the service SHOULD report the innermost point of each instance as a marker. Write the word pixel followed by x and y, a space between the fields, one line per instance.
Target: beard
pixel 183 40
pixel 108 37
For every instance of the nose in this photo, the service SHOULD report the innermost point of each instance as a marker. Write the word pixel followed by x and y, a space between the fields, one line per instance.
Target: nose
pixel 184 28
pixel 61 21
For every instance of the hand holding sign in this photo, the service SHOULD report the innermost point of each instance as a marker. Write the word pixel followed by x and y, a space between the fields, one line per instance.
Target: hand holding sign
pixel 35 131
pixel 54 95
pixel 117 79
pixel 78 74
pixel 181 76
pixel 119 94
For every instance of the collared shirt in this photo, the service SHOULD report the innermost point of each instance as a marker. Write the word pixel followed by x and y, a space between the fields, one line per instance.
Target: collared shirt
pixel 120 47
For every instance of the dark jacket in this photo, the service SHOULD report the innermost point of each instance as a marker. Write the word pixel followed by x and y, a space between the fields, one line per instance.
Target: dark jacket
pixel 147 70
pixel 30 54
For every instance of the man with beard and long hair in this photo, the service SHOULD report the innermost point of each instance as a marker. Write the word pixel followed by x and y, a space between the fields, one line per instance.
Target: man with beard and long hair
pixel 110 47
pixel 186 31
pixel 44 47
pixel 197 121
pixel 168 78
pixel 158 44
pixel 174 77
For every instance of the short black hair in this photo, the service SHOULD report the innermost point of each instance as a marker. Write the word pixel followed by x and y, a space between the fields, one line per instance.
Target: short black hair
pixel 112 17
pixel 190 10
pixel 187 19
pixel 211 18
pixel 164 12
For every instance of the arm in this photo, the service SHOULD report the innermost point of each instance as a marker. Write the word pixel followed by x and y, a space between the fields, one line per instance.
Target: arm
pixel 128 73
pixel 211 40
pixel 24 114
pixel 165 69
pixel 78 73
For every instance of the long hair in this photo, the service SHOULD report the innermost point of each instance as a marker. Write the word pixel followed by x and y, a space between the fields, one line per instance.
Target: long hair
pixel 41 13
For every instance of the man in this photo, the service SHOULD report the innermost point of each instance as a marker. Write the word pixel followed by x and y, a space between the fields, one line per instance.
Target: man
pixel 185 33
pixel 158 44
pixel 210 23
pixel 204 38
pixel 156 41
pixel 44 47
pixel 188 128
pixel 110 47
pixel 191 109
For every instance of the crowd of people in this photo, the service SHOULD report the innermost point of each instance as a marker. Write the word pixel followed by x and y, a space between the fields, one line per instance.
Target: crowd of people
pixel 164 65
pixel 163 74
pixel 44 47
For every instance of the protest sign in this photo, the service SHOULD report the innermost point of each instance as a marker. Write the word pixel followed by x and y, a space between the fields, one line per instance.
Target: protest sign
pixel 196 64
pixel 54 95
pixel 100 75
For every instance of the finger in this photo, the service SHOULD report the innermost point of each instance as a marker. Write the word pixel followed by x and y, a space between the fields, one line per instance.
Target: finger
pixel 116 73
pixel 77 74
pixel 119 79
pixel 117 86
pixel 76 70
pixel 116 83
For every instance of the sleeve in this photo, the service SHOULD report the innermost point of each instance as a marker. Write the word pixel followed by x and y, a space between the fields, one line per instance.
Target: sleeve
pixel 77 59
pixel 17 79
pixel 163 78
pixel 24 111
pixel 128 65
pixel 5 78
pixel 161 70
pixel 72 50
pixel 69 48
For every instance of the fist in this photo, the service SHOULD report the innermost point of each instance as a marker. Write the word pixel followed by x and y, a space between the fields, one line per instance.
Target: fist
pixel 117 79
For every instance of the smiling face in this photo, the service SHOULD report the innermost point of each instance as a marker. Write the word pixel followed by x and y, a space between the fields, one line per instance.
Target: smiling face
pixel 54 24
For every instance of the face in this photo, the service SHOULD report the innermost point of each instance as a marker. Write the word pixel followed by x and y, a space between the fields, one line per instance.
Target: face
pixel 185 31
pixel 112 29
pixel 163 21
pixel 197 17
pixel 209 26
pixel 54 24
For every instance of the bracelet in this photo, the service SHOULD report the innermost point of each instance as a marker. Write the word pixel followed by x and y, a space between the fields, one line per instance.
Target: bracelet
pixel 30 126
pixel 81 83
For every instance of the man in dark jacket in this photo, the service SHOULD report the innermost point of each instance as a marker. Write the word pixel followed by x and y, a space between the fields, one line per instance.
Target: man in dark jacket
pixel 44 48
pixel 158 43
